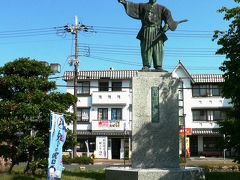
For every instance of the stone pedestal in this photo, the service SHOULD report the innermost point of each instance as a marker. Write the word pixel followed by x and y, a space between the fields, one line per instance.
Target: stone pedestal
pixel 155 132
pixel 155 142
pixel 192 173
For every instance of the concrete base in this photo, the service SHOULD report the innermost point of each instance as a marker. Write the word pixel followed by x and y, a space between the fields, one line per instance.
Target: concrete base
pixel 121 173
pixel 155 144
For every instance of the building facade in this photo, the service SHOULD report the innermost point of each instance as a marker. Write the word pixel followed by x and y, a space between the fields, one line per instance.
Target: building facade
pixel 104 110
pixel 201 108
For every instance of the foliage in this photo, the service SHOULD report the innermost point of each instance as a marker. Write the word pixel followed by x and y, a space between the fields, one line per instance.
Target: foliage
pixel 83 160
pixel 222 175
pixel 88 175
pixel 66 159
pixel 78 160
pixel 230 46
pixel 26 98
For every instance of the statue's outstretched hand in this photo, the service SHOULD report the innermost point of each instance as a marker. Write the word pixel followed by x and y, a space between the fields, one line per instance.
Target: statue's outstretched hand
pixel 122 1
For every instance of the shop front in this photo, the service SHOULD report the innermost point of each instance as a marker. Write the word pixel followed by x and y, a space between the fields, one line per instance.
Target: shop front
pixel 206 142
pixel 104 145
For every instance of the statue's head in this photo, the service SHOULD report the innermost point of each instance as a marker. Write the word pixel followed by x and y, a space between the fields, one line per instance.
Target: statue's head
pixel 152 1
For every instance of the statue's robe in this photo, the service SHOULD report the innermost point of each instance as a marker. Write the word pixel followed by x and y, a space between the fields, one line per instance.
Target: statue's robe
pixel 151 17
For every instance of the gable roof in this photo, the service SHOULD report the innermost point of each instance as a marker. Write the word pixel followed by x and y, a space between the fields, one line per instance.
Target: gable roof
pixel 181 66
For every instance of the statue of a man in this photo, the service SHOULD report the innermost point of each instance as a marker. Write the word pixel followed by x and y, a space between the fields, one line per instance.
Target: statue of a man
pixel 156 20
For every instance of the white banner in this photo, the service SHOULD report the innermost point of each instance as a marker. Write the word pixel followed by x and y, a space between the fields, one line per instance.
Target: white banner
pixel 101 147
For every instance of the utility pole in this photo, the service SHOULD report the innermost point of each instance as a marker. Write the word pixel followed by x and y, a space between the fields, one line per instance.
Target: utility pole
pixel 74 29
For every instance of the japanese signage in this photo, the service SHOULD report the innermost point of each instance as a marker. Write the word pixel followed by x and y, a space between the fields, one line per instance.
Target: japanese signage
pixel 103 123
pixel 155 104
pixel 57 139
pixel 101 147
pixel 108 124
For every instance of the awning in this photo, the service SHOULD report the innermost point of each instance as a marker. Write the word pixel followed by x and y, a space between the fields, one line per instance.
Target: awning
pixel 205 131
pixel 103 133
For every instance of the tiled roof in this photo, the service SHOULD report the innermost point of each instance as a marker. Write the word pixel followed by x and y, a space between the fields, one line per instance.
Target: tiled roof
pixel 111 74
pixel 205 131
pixel 207 78
pixel 128 74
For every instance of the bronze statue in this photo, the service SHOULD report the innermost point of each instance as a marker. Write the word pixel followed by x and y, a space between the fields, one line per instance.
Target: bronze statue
pixel 152 33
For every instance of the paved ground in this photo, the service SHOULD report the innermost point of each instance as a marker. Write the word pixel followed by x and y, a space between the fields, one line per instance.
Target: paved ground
pixel 99 164
pixel 103 163
pixel 209 160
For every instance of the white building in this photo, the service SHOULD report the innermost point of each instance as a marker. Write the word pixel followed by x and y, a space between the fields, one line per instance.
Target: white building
pixel 105 111
pixel 203 105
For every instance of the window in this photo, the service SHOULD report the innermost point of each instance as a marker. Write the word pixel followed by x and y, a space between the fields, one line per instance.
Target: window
pixel 203 90
pixel 208 114
pixel 195 91
pixel 116 86
pixel 200 90
pixel 83 88
pixel 103 86
pixel 218 115
pixel 83 115
pixel 211 143
pixel 199 115
pixel 116 114
pixel 216 91
pixel 102 114
pixel 82 144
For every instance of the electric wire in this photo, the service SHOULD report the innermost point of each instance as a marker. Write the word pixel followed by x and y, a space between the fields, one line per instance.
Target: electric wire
pixel 132 50
pixel 133 31
pixel 31 32
pixel 99 29
pixel 102 49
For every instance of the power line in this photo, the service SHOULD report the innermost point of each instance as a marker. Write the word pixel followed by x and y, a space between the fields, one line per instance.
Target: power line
pixel 34 29
pixel 133 50
pixel 127 47
pixel 100 29
pixel 32 32
pixel 133 31
pixel 136 51
pixel 120 61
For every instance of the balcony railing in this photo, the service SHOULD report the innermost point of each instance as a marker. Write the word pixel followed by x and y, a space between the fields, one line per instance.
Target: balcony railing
pixel 119 125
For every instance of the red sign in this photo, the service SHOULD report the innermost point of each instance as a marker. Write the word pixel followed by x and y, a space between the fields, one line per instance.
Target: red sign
pixel 103 123
pixel 188 132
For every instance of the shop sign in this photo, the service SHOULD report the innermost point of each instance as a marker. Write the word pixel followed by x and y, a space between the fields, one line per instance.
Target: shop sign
pixel 101 147
pixel 188 132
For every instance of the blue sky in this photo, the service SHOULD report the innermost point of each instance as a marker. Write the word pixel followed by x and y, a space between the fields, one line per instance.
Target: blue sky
pixel 113 44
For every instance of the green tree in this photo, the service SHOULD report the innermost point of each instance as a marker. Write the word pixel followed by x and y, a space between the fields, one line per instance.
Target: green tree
pixel 230 46
pixel 26 99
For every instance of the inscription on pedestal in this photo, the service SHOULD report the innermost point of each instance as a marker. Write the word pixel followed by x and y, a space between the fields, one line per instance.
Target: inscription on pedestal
pixel 155 104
